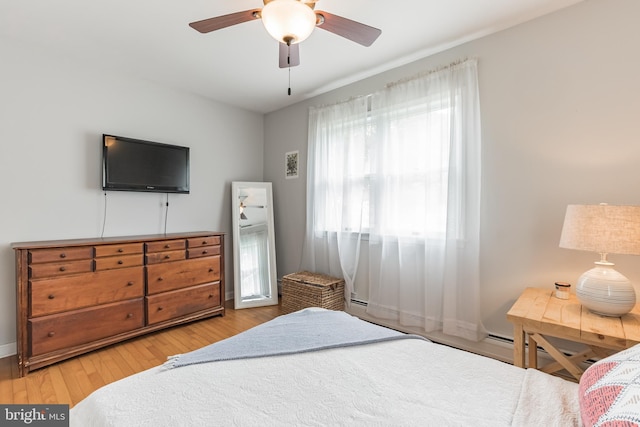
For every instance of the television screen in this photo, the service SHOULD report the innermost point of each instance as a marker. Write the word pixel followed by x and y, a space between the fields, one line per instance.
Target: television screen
pixel 134 165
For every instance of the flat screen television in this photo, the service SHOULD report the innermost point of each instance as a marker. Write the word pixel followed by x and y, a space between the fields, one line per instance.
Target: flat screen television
pixel 135 165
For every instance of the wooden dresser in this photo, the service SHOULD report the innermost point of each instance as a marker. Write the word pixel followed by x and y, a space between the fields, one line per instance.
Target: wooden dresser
pixel 74 296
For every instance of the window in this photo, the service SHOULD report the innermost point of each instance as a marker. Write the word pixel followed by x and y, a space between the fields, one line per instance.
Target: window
pixel 402 166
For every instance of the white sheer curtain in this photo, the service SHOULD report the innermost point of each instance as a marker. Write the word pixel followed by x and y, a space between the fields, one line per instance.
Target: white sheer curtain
pixel 402 169
pixel 337 142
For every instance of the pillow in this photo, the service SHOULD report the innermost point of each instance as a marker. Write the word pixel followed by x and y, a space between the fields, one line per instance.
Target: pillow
pixel 609 391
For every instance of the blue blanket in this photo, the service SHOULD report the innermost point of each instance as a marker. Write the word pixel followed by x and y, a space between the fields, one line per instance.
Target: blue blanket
pixel 299 332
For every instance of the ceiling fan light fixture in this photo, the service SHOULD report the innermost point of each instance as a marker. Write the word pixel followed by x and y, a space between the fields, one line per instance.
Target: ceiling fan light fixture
pixel 288 21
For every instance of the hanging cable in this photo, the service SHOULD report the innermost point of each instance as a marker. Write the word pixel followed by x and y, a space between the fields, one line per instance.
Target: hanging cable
pixel 166 213
pixel 104 215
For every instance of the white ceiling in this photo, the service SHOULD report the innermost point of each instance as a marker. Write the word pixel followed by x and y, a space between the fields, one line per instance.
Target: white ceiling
pixel 239 65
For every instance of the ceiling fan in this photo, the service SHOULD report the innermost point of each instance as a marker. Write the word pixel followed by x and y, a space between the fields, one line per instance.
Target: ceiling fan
pixel 291 22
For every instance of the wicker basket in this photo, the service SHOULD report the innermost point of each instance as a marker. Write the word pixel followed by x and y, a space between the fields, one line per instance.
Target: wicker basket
pixel 305 289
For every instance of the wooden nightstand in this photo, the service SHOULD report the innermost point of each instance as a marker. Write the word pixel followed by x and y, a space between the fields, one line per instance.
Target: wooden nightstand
pixel 538 314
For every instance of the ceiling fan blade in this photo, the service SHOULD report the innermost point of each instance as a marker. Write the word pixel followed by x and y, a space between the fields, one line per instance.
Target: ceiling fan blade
pixel 219 22
pixel 352 30
pixel 289 55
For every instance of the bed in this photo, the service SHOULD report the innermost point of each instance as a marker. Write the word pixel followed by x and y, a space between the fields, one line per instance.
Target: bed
pixel 307 369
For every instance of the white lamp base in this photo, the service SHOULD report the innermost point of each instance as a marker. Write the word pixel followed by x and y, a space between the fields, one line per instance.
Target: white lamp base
pixel 606 292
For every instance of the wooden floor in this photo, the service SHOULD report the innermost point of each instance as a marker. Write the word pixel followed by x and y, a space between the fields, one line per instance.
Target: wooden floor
pixel 70 381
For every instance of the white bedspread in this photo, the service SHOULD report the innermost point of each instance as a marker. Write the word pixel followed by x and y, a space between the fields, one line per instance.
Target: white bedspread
pixel 397 383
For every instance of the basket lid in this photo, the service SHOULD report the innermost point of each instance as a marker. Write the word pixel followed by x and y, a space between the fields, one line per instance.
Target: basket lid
pixel 313 278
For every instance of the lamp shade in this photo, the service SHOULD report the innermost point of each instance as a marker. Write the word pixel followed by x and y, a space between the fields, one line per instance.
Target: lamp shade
pixel 602 228
pixel 288 21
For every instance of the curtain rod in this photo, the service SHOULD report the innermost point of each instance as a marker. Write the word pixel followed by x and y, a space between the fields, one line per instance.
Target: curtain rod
pixel 422 74
pixel 426 73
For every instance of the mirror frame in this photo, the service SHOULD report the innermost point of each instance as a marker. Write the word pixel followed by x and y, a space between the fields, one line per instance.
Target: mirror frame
pixel 236 187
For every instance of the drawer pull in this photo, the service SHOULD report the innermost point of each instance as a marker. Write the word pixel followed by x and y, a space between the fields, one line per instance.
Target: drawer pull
pixel 211 270
pixel 167 256
pixel 160 279
pixel 600 337
pixel 63 268
pixel 120 262
pixel 129 315
pixel 52 296
pixel 204 242
pixel 210 295
pixel 205 252
pixel 159 308
pixel 120 250
pixel 167 246
pixel 63 255
pixel 129 283
pixel 50 334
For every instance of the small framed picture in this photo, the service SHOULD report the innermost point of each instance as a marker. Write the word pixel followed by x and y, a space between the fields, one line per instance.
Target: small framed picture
pixel 291 164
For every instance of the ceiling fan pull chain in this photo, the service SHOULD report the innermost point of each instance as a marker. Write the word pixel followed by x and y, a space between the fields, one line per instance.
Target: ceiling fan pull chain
pixel 289 64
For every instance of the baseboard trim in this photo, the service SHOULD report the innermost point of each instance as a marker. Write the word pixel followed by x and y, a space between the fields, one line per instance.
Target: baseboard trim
pixel 7 350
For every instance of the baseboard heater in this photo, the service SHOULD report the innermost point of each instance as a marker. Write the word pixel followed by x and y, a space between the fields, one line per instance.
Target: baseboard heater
pixel 497 338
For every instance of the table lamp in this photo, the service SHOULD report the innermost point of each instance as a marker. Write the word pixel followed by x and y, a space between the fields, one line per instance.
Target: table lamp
pixel 605 229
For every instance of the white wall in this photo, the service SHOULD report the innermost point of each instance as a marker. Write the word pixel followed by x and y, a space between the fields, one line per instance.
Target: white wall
pixel 54 111
pixel 560 100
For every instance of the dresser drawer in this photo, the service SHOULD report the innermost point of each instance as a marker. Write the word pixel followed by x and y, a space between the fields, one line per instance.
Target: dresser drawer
pixel 182 274
pixel 171 305
pixel 123 261
pixel 203 241
pixel 55 295
pixel 66 330
pixel 52 269
pixel 60 254
pixel 169 256
pixel 203 251
pixel 117 250
pixel 165 245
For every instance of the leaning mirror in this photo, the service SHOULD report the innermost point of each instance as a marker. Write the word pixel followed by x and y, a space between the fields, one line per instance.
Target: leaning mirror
pixel 254 255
